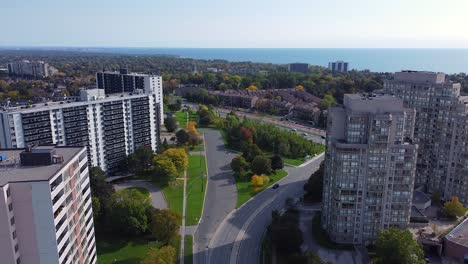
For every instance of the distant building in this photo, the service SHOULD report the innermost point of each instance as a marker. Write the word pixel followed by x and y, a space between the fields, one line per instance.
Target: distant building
pixel 370 164
pixel 441 130
pixel 338 66
pixel 299 67
pixel 456 243
pixel 46 214
pixel 111 126
pixel 25 68
pixel 125 82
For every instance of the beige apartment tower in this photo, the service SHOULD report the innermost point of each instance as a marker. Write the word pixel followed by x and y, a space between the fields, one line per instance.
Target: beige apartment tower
pixel 46 216
pixel 369 167
pixel 440 130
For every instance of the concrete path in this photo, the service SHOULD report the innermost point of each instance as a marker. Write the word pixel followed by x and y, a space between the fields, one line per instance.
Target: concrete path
pixel 157 197
pixel 182 227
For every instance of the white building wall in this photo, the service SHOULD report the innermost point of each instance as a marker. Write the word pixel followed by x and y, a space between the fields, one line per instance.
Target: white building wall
pixel 7 251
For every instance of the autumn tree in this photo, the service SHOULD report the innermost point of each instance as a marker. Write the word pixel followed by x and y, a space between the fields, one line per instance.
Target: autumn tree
pixel 178 156
pixel 163 255
pixel 192 127
pixel 164 224
pixel 397 246
pixel 454 207
pixel 164 168
pixel 252 88
pixel 299 87
pixel 257 181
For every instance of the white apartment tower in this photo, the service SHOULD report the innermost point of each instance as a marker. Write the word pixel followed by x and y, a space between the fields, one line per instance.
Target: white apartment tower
pixel 46 214
pixel 25 68
pixel 369 167
pixel 125 82
pixel 111 126
pixel 441 130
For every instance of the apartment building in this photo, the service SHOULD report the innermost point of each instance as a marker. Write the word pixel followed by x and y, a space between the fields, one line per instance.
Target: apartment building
pixel 124 81
pixel 46 216
pixel 111 126
pixel 298 67
pixel 440 130
pixel 338 66
pixel 25 68
pixel 369 167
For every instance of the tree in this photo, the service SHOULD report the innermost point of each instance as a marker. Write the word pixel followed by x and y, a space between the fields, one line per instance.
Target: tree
pixel 142 158
pixel 454 207
pixel 170 123
pixel 261 165
pixel 182 137
pixel 285 234
pixel 178 156
pixel 251 151
pixel 252 88
pixel 239 164
pixel 163 255
pixel 99 187
pixel 192 127
pixel 128 212
pixel 164 168
pixel 312 258
pixel 96 203
pixel 327 101
pixel 299 87
pixel 276 162
pixel 164 224
pixel 397 246
pixel 257 181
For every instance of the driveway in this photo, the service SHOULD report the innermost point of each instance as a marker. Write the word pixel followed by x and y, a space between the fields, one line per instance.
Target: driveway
pixel 157 197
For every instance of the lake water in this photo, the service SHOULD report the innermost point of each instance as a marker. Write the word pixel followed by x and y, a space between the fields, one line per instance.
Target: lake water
pixel 376 60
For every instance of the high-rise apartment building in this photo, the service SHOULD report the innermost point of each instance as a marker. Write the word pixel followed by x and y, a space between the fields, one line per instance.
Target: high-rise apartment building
pixel 111 126
pixel 38 69
pixel 298 67
pixel 46 216
pixel 369 167
pixel 338 66
pixel 440 131
pixel 126 82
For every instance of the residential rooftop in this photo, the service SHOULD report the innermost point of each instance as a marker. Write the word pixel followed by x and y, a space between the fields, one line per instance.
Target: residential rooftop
pixel 459 234
pixel 11 169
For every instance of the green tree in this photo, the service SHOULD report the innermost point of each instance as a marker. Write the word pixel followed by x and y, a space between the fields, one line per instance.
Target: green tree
pixel 284 232
pixel 164 224
pixel 99 187
pixel 397 246
pixel 140 160
pixel 163 255
pixel 277 162
pixel 251 151
pixel 314 185
pixel 454 207
pixel 128 212
pixel 182 137
pixel 170 123
pixel 239 164
pixel 96 203
pixel 261 165
pixel 327 101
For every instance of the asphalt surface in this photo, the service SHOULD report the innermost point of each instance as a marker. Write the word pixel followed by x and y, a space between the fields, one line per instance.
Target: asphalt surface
pixel 238 238
pixel 221 193
pixel 157 198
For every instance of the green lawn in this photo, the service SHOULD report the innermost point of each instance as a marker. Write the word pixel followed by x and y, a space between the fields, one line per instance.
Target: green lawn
pixel 122 251
pixel 195 196
pixel 294 162
pixel 188 249
pixel 174 194
pixel 181 118
pixel 245 191
pixel 200 147
pixel 139 189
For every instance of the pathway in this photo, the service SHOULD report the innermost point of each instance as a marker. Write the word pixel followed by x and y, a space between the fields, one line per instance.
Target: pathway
pixel 157 197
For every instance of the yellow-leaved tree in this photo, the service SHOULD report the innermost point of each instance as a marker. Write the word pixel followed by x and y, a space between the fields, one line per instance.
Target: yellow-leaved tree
pixel 252 88
pixel 300 87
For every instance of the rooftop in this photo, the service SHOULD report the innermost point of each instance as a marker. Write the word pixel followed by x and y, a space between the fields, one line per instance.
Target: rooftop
pixel 459 234
pixel 371 102
pixel 11 169
pixel 420 197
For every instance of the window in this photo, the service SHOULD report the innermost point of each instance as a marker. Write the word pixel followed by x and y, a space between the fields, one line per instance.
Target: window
pixel 8 192
pixel 16 248
pixel 12 220
pixel 18 260
pixel 10 207
pixel 14 234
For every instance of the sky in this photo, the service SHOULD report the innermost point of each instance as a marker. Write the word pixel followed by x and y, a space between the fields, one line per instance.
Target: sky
pixel 235 23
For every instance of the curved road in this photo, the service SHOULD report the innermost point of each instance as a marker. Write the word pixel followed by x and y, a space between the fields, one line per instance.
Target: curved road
pixel 221 193
pixel 157 198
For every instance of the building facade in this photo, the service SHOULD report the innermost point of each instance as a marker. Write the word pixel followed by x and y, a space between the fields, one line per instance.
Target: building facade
pixel 126 82
pixel 46 214
pixel 440 131
pixel 338 66
pixel 369 168
pixel 38 69
pixel 110 126
pixel 298 67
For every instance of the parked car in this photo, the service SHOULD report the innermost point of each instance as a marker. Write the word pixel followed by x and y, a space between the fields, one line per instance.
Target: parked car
pixel 275 186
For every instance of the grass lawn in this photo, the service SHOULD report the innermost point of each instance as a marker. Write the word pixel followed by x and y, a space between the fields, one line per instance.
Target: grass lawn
pixel 195 196
pixel 122 251
pixel 245 191
pixel 139 189
pixel 188 259
pixel 174 194
pixel 294 162
pixel 199 147
pixel 181 118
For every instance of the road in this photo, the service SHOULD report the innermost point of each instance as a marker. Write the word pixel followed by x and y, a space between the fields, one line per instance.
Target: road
pixel 221 193
pixel 238 237
pixel 157 198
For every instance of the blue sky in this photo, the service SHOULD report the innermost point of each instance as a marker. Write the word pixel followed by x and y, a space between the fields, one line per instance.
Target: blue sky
pixel 236 23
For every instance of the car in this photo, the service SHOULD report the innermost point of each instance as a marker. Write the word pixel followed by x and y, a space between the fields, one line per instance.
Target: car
pixel 304 134
pixel 323 137
pixel 293 130
pixel 275 186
